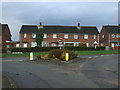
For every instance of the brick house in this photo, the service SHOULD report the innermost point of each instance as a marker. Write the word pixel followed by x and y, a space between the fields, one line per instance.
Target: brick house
pixel 109 36
pixel 6 34
pixel 69 35
pixel 6 38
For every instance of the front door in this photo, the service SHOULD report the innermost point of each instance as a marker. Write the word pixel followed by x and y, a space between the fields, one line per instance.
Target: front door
pixel 112 45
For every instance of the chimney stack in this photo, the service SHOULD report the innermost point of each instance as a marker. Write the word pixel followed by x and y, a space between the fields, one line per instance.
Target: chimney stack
pixel 40 24
pixel 78 26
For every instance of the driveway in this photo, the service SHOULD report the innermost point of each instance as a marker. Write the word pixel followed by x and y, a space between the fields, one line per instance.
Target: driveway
pixel 90 72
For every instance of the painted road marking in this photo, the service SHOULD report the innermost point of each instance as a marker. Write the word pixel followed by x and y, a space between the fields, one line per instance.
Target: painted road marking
pixel 95 56
pixel 89 57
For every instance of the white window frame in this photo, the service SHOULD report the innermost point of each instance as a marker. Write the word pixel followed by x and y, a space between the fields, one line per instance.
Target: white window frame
pixel 65 36
pixel 75 36
pixel 118 35
pixel 17 45
pixel 54 44
pixel 45 36
pixel 33 35
pixel 33 44
pixel 85 36
pixel 94 36
pixel 24 44
pixel 87 44
pixel 103 36
pixel 25 35
pixel 113 35
pixel 7 46
pixel 54 35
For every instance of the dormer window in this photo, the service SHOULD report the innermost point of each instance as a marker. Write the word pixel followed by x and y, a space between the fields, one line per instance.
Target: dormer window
pixel 33 35
pixel 25 35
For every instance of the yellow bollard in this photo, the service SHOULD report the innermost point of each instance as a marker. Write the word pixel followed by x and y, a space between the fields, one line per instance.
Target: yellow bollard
pixel 31 55
pixel 67 56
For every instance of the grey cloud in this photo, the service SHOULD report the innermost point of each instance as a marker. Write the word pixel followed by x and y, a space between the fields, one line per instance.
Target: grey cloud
pixel 96 14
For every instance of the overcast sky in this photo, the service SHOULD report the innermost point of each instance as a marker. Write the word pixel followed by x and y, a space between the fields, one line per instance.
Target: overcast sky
pixel 97 14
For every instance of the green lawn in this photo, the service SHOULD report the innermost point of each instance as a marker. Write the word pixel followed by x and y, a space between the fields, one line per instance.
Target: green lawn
pixel 24 54
pixel 79 53
pixel 98 52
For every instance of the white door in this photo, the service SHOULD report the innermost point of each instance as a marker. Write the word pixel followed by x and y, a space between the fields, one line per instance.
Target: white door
pixel 112 45
pixel 24 44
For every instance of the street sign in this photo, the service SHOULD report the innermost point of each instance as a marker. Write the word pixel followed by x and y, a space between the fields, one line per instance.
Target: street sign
pixel 60 42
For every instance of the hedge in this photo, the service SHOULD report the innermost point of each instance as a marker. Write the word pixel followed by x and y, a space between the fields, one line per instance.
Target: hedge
pixel 45 49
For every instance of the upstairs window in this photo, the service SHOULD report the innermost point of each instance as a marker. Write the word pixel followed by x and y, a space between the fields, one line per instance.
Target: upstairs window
pixel 33 35
pixel 113 35
pixel 66 36
pixel 85 36
pixel 54 35
pixel 75 36
pixel 103 36
pixel 94 36
pixel 118 35
pixel 45 36
pixel 25 35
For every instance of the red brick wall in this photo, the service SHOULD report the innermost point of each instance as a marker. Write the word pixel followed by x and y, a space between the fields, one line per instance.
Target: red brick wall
pixel 105 39
pixel 50 39
pixel 6 36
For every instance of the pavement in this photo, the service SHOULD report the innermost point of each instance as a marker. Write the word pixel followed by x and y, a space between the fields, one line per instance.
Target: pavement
pixel 91 71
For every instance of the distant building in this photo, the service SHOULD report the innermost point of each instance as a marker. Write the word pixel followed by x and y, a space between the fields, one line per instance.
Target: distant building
pixel 110 36
pixel 6 38
pixel 69 35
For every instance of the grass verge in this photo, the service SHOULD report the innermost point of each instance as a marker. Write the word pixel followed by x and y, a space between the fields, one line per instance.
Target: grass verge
pixel 7 82
pixel 95 52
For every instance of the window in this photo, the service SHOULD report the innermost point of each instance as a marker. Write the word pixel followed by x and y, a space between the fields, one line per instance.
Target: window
pixel 45 36
pixel 53 44
pixel 66 36
pixel 103 36
pixel 17 45
pixel 75 36
pixel 45 44
pixel 85 36
pixel 118 35
pixel 113 35
pixel 24 44
pixel 87 44
pixel 7 46
pixel 101 44
pixel 54 35
pixel 94 36
pixel 25 35
pixel 33 44
pixel 33 35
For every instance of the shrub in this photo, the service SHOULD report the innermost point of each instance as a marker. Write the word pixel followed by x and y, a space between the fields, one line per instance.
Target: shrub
pixel 60 54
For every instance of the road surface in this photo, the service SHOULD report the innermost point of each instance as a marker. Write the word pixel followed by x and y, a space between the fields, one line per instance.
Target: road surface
pixel 96 71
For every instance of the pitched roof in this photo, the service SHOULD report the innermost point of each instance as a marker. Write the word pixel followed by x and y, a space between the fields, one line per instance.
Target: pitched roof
pixel 112 29
pixel 4 26
pixel 59 29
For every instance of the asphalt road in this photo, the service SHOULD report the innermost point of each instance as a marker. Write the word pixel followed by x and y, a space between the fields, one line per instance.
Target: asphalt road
pixel 91 72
